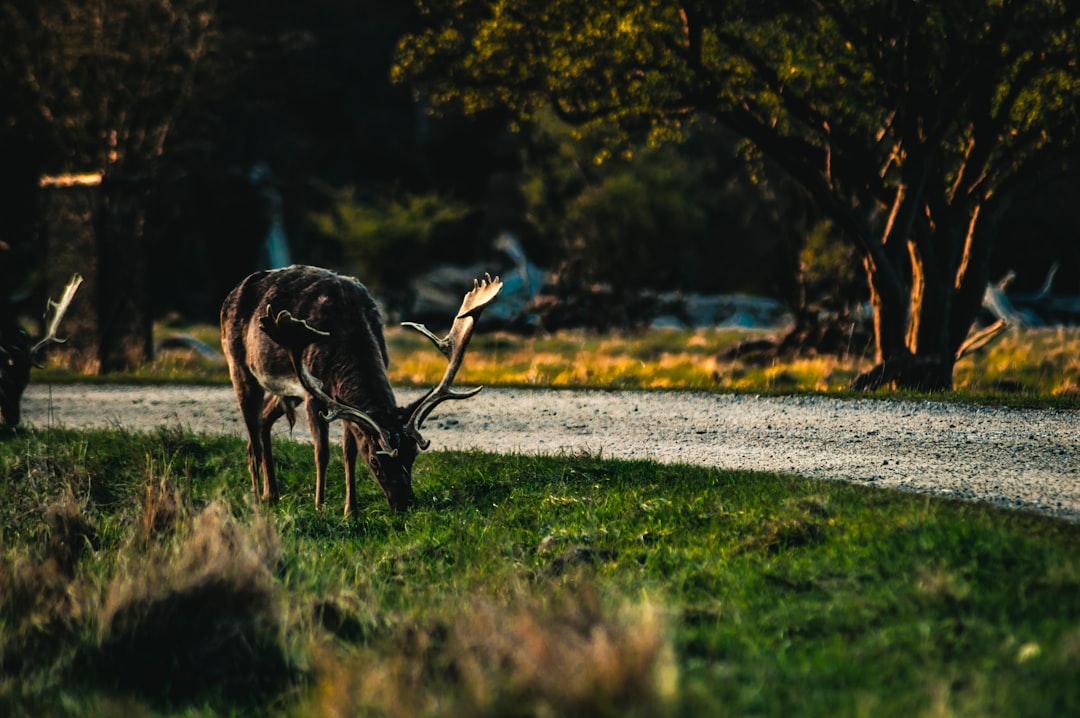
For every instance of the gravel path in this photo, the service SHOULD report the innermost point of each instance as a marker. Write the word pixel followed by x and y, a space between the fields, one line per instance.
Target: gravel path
pixel 1022 459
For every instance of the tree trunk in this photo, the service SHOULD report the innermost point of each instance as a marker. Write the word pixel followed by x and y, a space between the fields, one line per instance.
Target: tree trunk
pixel 123 309
pixel 918 342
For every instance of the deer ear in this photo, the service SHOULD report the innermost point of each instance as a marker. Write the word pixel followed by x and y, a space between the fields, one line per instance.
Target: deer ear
pixel 287 331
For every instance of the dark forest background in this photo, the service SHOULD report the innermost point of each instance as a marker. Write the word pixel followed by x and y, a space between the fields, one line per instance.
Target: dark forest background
pixel 283 114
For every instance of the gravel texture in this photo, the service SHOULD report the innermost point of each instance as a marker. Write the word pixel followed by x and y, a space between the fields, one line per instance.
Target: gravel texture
pixel 1021 459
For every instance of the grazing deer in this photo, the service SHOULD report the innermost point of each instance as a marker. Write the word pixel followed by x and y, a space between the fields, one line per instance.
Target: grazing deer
pixel 305 334
pixel 17 355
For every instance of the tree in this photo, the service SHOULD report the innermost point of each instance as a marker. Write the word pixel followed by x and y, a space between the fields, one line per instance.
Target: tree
pixel 663 218
pixel 97 88
pixel 913 126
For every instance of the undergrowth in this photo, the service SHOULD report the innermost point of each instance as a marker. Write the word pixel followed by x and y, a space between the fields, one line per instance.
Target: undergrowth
pixel 137 576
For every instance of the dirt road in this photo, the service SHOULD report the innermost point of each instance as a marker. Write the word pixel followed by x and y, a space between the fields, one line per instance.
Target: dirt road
pixel 1023 459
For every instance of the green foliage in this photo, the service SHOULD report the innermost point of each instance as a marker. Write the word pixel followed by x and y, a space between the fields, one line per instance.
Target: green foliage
pixel 826 259
pixel 387 238
pixel 566 584
pixel 663 62
pixel 590 59
pixel 637 226
pixel 829 271
pixel 670 215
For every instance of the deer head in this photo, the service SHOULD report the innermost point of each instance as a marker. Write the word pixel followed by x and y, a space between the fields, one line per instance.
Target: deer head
pixel 17 355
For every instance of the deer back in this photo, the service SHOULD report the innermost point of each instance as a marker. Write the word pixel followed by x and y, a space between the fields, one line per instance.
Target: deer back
pixel 351 360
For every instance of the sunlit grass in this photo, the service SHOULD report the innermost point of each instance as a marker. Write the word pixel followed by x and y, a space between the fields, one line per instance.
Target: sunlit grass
pixel 1038 361
pixel 654 359
pixel 1024 366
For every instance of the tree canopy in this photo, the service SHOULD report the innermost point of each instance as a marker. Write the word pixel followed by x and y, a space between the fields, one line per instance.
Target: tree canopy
pixel 913 126
pixel 102 83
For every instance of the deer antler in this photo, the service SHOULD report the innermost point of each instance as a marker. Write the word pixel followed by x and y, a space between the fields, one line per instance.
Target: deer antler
pixel 294 335
pixel 59 310
pixel 453 346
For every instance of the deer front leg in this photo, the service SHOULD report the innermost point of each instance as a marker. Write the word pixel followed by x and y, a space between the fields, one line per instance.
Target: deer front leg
pixel 320 437
pixel 250 398
pixel 272 411
pixel 349 450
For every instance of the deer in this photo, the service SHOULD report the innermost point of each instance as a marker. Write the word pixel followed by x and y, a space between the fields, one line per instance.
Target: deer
pixel 18 355
pixel 307 335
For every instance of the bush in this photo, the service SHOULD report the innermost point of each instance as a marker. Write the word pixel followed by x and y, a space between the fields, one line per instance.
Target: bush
pixel 385 238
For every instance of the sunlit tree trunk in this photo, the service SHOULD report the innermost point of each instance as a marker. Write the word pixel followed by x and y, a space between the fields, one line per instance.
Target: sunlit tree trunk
pixel 920 332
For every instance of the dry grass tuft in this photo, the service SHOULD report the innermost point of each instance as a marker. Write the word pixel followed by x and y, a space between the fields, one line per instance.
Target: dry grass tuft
pixel 561 657
pixel 201 618
pixel 69 533
pixel 801 523
pixel 162 511
pixel 938 583
pixel 42 608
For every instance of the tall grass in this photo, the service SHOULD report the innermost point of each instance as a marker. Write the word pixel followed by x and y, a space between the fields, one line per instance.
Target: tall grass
pixel 1024 362
pixel 138 577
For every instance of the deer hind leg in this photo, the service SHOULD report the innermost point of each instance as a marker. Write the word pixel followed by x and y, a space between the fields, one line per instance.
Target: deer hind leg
pixel 272 411
pixel 349 450
pixel 320 436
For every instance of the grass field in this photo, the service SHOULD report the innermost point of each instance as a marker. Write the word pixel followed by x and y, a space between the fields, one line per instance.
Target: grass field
pixel 137 578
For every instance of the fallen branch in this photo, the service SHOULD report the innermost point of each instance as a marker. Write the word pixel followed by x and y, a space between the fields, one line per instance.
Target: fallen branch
pixel 982 338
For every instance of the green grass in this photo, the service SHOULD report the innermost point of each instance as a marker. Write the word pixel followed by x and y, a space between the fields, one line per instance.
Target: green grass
pixel 1026 367
pixel 137 577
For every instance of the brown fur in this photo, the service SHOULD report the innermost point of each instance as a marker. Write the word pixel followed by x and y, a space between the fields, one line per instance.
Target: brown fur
pixel 351 363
